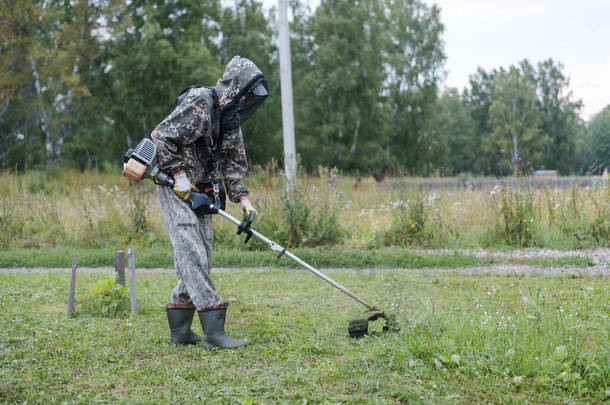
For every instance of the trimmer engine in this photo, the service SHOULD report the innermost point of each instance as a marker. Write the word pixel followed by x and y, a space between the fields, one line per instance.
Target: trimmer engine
pixel 142 161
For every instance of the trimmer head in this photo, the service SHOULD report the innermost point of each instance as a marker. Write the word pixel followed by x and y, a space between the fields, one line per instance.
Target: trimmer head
pixel 359 327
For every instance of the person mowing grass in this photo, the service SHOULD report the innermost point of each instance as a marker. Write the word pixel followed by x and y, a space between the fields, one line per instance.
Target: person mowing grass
pixel 200 139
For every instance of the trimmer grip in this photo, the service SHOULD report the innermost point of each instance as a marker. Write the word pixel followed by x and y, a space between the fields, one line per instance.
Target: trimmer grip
pixel 244 227
pixel 201 203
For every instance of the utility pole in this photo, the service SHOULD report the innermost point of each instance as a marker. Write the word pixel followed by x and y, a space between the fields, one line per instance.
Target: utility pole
pixel 290 161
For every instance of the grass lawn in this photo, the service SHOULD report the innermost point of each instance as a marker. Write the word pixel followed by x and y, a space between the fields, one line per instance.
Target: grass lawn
pixel 464 339
pixel 330 257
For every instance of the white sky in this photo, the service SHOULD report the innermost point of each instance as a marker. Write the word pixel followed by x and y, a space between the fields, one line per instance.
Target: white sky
pixel 495 33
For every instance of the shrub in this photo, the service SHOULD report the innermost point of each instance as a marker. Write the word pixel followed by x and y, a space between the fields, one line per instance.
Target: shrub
pixel 139 220
pixel 517 223
pixel 409 222
pixel 594 230
pixel 295 219
pixel 325 202
pixel 269 223
pixel 10 221
pixel 107 298
pixel 310 216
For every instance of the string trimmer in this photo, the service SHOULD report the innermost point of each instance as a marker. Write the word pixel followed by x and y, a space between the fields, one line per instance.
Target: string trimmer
pixel 142 162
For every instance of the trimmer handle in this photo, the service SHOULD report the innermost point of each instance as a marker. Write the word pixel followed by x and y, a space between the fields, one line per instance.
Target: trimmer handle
pixel 201 203
pixel 244 227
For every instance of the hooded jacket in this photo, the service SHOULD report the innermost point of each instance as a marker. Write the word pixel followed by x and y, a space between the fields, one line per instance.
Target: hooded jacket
pixel 190 127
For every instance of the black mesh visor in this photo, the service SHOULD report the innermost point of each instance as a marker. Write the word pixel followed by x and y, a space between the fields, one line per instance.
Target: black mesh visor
pixel 252 100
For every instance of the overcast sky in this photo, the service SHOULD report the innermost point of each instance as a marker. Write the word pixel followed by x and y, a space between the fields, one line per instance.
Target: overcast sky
pixel 494 33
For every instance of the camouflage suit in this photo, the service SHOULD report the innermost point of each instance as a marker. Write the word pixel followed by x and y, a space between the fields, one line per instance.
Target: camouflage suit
pixel 180 139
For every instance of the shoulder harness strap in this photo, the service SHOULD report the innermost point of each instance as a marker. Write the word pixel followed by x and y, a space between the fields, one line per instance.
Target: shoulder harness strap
pixel 210 154
pixel 216 136
pixel 181 97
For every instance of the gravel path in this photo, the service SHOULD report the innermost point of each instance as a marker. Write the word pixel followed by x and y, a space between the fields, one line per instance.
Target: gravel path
pixel 603 270
pixel 600 256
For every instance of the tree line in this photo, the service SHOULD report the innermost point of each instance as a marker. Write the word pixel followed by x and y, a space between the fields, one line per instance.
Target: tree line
pixel 81 80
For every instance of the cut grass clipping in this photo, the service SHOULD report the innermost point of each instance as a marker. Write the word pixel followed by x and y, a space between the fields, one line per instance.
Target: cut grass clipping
pixel 464 339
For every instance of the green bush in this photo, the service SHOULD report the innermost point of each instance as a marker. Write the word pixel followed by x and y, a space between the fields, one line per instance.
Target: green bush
pixel 325 203
pixel 295 219
pixel 309 218
pixel 587 228
pixel 409 223
pixel 269 223
pixel 12 227
pixel 600 230
pixel 140 223
pixel 107 298
pixel 517 222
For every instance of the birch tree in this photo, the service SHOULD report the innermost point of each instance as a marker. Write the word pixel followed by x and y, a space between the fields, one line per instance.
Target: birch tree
pixel 51 49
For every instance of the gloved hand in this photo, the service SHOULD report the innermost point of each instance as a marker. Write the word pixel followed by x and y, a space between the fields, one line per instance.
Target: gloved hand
pixel 182 185
pixel 248 209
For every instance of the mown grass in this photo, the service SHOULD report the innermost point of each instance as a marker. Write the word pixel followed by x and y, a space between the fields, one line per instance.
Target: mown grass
pixel 385 258
pixel 464 339
pixel 95 210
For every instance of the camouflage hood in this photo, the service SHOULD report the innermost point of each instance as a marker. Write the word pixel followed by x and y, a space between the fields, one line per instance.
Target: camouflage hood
pixel 241 90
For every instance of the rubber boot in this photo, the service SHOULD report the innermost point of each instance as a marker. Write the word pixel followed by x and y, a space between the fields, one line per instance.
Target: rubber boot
pixel 213 323
pixel 180 320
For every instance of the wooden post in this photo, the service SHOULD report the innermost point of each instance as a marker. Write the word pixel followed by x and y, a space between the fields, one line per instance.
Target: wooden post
pixel 132 281
pixel 72 289
pixel 119 267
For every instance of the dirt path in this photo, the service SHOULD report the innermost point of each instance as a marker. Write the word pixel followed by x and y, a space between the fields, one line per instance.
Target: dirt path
pixel 600 256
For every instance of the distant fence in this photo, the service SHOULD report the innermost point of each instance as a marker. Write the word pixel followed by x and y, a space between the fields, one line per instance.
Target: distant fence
pixel 561 182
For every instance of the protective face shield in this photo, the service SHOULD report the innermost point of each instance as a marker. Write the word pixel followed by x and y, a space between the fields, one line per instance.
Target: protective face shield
pixel 249 99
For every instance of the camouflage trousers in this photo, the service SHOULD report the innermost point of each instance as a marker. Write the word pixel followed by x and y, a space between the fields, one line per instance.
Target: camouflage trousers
pixel 191 238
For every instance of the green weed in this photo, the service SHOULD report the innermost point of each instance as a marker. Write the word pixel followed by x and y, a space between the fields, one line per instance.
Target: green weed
pixel 409 223
pixel 295 219
pixel 106 298
pixel 325 202
pixel 517 223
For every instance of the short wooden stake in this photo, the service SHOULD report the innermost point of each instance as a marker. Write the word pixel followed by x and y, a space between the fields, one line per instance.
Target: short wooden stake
pixel 119 267
pixel 132 281
pixel 72 289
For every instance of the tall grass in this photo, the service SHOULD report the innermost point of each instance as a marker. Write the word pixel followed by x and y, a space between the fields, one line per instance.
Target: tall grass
pixel 42 210
pixel 89 210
